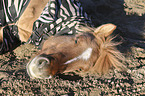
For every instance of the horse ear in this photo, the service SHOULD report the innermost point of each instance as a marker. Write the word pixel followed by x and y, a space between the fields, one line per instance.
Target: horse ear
pixel 105 29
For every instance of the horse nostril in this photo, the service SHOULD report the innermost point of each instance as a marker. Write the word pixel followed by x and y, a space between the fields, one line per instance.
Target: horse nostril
pixel 42 63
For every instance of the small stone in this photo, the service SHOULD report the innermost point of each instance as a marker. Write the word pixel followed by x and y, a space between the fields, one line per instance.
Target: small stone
pixel 112 83
pixel 109 81
pixel 120 90
pixel 117 85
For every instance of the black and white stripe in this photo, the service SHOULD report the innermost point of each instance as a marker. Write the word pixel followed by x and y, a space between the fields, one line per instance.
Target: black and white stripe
pixel 11 10
pixel 59 17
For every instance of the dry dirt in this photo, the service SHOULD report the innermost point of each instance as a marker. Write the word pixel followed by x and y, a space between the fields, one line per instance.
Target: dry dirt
pixel 129 16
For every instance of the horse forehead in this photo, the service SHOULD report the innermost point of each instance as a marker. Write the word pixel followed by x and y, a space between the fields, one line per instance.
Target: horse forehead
pixel 59 39
pixel 69 38
pixel 68 41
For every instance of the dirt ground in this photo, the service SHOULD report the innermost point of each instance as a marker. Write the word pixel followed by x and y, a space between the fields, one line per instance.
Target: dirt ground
pixel 129 16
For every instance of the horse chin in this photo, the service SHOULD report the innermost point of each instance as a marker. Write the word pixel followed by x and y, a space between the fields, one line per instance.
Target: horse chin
pixel 39 68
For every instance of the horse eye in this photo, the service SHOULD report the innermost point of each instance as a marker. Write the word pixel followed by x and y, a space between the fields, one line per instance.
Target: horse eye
pixel 76 41
pixel 79 70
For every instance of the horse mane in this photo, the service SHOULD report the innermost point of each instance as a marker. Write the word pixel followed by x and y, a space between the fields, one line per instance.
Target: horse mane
pixel 108 55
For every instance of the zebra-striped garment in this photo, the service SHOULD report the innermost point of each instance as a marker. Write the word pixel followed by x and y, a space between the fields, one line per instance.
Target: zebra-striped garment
pixel 59 17
pixel 10 12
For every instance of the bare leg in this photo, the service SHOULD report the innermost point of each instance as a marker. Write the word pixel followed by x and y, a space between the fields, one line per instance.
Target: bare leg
pixel 30 15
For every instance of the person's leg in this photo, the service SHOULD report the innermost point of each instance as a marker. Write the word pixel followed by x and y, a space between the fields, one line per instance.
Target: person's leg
pixel 30 15
pixel 10 11
pixel 12 34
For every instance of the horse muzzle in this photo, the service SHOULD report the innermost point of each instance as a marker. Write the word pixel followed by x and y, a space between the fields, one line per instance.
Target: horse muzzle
pixel 38 67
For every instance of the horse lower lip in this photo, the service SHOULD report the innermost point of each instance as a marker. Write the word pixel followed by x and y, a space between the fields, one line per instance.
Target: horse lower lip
pixel 48 77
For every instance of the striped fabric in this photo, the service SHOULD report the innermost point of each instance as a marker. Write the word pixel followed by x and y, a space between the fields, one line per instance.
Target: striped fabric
pixel 59 17
pixel 10 11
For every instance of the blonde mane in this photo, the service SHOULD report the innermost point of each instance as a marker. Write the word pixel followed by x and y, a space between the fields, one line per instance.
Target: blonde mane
pixel 108 55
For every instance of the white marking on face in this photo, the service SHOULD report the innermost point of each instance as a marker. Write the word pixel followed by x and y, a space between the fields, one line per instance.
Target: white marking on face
pixel 69 61
pixel 85 56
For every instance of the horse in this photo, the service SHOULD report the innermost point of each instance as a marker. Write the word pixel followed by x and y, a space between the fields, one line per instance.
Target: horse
pixel 92 51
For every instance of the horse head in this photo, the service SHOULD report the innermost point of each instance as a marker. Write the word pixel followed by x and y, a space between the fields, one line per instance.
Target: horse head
pixel 92 51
